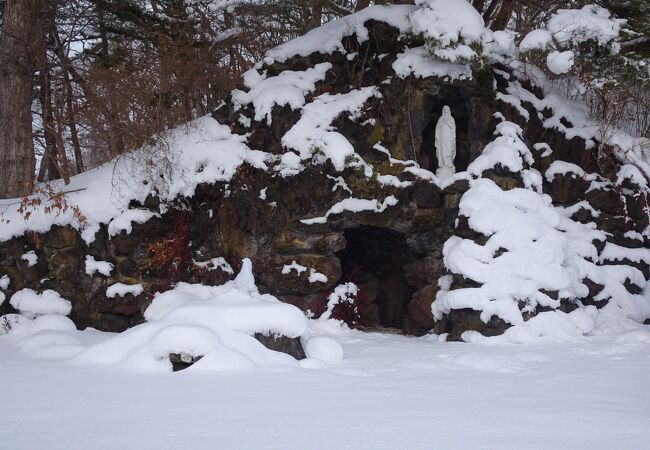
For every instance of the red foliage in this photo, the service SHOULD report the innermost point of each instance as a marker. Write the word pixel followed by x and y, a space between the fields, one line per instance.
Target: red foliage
pixel 172 253
pixel 52 202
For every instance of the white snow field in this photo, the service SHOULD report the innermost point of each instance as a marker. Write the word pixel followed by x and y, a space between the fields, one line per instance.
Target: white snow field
pixel 390 392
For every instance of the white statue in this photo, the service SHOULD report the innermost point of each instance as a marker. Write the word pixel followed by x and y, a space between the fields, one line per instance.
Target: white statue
pixel 446 143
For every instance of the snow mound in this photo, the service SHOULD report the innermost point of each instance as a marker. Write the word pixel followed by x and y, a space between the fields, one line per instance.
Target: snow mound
pixel 50 322
pixel 560 62
pixel 324 349
pixel 31 304
pixel 213 325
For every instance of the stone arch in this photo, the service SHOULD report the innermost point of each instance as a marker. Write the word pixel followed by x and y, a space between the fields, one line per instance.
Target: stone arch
pixel 376 259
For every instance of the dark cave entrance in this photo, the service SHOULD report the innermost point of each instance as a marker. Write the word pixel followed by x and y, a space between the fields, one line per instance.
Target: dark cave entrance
pixel 460 110
pixel 374 259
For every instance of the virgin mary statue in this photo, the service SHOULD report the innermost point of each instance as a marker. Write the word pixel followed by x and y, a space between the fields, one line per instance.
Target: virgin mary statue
pixel 446 143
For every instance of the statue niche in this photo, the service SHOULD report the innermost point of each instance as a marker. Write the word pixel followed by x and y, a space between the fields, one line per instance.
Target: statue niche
pixel 445 143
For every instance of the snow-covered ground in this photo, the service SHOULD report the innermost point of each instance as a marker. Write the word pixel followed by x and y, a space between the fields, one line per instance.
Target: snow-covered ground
pixel 389 392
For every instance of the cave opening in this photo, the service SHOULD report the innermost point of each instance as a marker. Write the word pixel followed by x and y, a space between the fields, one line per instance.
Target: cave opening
pixel 460 110
pixel 375 259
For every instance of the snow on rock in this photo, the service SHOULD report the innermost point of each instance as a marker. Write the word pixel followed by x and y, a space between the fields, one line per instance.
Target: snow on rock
pixel 633 235
pixel 507 150
pixel 563 168
pixel 262 195
pixel 124 222
pixel 31 304
pixel 215 263
pixel 546 326
pixel 381 149
pixel 354 205
pixel 613 252
pixel 312 135
pixel 328 38
pixel 103 267
pixel 633 174
pixel 343 293
pixel 453 29
pixel 560 62
pixel 316 277
pixel 416 61
pixel 287 88
pixel 235 304
pixel 4 282
pixel 287 268
pixel 121 289
pixel 544 148
pixel 569 211
pixel 514 102
pixel 392 180
pixel 559 106
pixel 324 349
pixel 30 257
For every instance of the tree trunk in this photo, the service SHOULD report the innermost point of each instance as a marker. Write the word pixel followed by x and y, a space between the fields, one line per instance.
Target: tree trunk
pixel 49 168
pixel 62 159
pixel 21 28
pixel 71 118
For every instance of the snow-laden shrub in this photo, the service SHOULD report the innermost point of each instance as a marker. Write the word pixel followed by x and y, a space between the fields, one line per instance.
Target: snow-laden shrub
pixel 453 37
pixel 532 257
pixel 454 32
pixel 531 250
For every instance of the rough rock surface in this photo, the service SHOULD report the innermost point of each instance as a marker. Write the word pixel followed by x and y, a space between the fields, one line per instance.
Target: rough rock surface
pixel 394 256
